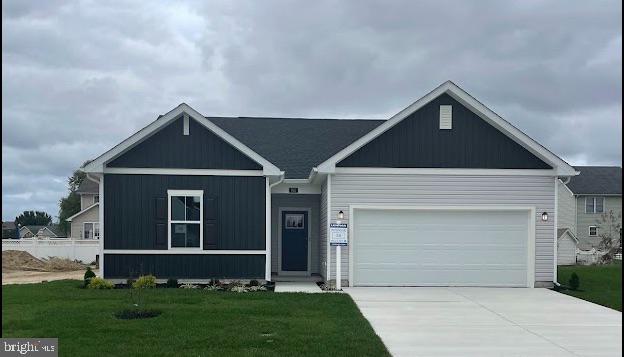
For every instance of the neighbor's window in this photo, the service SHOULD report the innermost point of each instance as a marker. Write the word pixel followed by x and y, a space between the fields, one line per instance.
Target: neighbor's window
pixel 594 204
pixel 96 199
pixel 91 230
pixel 185 218
pixel 593 231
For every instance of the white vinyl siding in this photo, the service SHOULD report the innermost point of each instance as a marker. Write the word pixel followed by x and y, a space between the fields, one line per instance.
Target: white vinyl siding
pixel 77 223
pixel 455 190
pixel 566 250
pixel 566 208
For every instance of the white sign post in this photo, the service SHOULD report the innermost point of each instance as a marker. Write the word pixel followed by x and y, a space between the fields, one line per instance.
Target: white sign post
pixel 338 237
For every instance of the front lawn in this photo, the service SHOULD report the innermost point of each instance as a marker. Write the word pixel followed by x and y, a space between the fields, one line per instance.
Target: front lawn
pixel 600 284
pixel 193 322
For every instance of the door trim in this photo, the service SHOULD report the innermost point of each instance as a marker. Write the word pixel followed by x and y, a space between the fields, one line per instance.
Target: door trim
pixel 279 241
pixel 530 210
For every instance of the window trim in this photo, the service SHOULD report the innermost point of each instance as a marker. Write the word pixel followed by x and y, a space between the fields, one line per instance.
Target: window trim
pixel 82 236
pixel 594 199
pixel 589 231
pixel 200 193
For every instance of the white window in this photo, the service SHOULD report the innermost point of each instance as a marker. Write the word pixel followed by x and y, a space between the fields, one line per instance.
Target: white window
pixel 185 218
pixel 593 231
pixel 594 204
pixel 90 230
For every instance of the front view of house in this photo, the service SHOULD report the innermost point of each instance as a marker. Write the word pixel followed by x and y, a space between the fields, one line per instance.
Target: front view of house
pixel 444 193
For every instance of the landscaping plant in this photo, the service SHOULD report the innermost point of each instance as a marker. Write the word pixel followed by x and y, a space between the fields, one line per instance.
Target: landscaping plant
pixel 88 275
pixel 574 282
pixel 99 283
pixel 145 282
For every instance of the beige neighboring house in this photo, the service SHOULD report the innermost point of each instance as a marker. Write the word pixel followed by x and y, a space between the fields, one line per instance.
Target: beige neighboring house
pixel 583 200
pixel 41 232
pixel 86 223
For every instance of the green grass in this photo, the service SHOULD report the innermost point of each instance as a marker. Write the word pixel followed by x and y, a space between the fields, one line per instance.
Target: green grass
pixel 600 284
pixel 193 322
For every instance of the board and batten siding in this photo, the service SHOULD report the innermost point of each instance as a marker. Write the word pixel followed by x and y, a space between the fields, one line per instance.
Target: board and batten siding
pixel 323 232
pixel 451 190
pixel 303 201
pixel 566 208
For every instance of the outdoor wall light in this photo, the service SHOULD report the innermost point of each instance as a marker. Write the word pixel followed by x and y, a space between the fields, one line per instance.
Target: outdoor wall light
pixel 340 215
pixel 545 216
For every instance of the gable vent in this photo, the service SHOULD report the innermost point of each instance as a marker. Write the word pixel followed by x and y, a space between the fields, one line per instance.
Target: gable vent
pixel 446 117
pixel 185 128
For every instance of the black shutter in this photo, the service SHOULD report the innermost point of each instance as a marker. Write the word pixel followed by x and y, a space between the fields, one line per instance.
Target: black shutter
pixel 211 228
pixel 160 220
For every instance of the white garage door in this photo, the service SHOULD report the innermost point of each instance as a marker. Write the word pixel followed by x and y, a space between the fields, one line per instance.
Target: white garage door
pixel 440 248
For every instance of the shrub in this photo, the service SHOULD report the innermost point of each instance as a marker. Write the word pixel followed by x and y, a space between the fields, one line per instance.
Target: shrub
pixel 88 275
pixel 129 314
pixel 254 283
pixel 130 282
pixel 99 283
pixel 144 282
pixel 172 283
pixel 574 281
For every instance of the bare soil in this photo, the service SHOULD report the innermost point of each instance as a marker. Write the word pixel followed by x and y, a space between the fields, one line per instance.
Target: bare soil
pixel 19 267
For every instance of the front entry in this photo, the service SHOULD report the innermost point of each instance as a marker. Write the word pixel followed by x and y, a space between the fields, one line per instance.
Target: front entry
pixel 295 241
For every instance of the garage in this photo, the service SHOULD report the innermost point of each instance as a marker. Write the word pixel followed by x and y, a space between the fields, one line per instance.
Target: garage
pixel 442 247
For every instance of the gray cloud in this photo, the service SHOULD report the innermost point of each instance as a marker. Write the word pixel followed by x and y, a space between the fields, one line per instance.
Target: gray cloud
pixel 78 77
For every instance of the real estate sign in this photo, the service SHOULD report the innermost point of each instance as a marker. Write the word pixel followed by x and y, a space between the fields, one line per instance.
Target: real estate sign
pixel 338 234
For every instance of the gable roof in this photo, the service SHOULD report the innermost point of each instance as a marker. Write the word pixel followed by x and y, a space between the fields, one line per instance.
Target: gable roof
pixel 69 219
pixel 561 167
pixel 88 186
pixel 97 165
pixel 296 145
pixel 34 229
pixel 597 180
pixel 562 231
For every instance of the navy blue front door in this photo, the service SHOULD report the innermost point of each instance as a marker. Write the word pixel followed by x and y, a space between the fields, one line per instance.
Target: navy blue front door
pixel 294 240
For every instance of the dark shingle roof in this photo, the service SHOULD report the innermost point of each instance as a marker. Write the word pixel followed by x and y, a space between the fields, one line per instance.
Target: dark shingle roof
pixel 296 145
pixel 601 180
pixel 88 186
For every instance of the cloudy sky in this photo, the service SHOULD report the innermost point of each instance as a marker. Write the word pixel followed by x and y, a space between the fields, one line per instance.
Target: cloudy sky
pixel 80 76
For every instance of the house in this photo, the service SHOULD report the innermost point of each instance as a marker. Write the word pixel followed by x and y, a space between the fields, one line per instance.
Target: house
pixel 86 223
pixel 41 232
pixel 566 247
pixel 9 230
pixel 583 200
pixel 445 192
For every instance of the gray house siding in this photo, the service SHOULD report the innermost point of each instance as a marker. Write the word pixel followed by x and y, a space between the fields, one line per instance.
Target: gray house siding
pixel 234 210
pixel 184 266
pixel 418 141
pixel 566 208
pixel 584 220
pixel 169 148
pixel 303 201
pixel 398 190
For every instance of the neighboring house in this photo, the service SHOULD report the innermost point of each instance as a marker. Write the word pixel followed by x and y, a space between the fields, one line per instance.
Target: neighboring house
pixel 86 223
pixel 585 198
pixel 9 230
pixel 42 232
pixel 443 193
pixel 566 247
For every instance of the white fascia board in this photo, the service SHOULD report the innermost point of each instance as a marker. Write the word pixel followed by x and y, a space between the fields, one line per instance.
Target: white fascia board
pixel 562 168
pixel 69 219
pixel 97 165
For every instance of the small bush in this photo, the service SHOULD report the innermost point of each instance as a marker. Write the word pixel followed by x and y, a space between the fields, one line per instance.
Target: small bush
pixel 88 275
pixel 145 282
pixel 99 283
pixel 172 283
pixel 130 314
pixel 574 282
pixel 254 283
pixel 130 282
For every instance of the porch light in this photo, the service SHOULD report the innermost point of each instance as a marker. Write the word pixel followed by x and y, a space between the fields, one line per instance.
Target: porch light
pixel 340 215
pixel 545 216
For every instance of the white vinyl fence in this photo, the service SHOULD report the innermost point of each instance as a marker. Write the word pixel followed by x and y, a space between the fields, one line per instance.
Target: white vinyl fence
pixel 75 249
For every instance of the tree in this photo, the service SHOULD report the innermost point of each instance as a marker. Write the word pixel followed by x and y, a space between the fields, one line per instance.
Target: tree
pixel 610 235
pixel 70 205
pixel 33 218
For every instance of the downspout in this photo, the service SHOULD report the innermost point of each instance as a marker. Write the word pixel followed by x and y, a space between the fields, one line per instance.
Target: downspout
pixel 555 278
pixel 269 230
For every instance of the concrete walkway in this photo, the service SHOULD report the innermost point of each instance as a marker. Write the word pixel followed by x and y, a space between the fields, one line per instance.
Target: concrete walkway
pixel 489 322
pixel 297 287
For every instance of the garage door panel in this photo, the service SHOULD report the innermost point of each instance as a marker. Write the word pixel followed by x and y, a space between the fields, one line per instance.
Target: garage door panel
pixel 416 247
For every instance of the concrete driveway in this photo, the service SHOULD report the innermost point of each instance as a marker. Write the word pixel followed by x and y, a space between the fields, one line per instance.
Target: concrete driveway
pixel 489 322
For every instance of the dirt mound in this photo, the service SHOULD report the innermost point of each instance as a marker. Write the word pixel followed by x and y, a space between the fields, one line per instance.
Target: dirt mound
pixel 20 260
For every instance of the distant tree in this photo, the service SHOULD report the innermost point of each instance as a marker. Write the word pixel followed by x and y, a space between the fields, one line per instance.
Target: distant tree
pixel 33 218
pixel 610 235
pixel 70 205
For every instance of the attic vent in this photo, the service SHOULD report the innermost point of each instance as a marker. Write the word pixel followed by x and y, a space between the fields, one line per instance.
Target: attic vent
pixel 446 117
pixel 186 124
